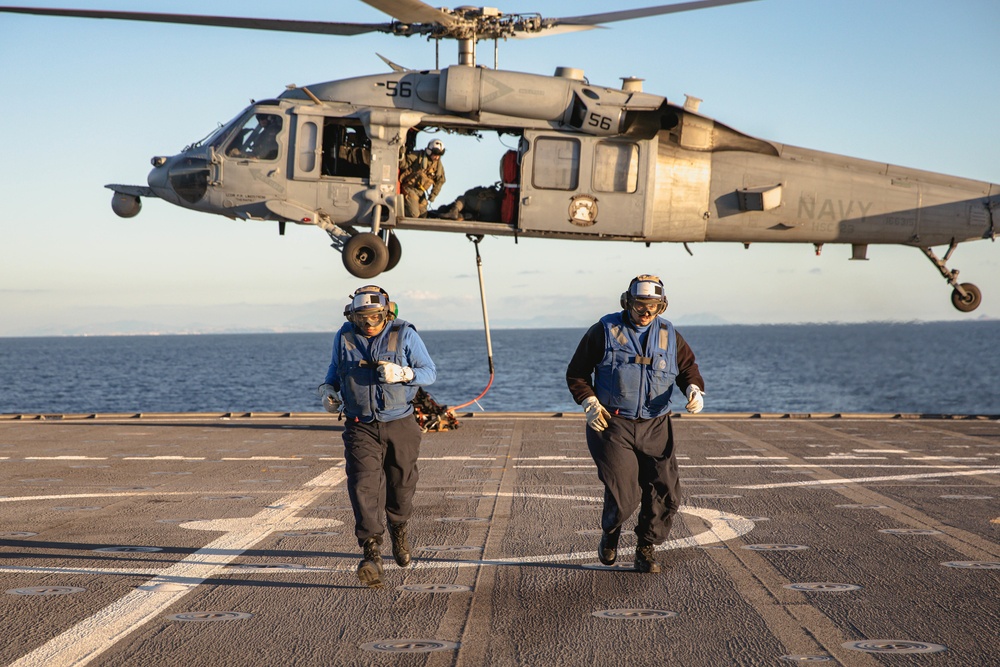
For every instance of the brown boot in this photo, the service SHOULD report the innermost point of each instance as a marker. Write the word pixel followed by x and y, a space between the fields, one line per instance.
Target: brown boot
pixel 400 547
pixel 370 567
pixel 645 558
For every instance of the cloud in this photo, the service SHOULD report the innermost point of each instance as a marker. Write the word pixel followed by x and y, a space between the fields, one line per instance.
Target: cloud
pixel 420 295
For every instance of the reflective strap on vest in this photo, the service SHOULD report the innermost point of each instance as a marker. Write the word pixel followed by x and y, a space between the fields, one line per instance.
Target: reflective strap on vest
pixel 392 344
pixel 619 335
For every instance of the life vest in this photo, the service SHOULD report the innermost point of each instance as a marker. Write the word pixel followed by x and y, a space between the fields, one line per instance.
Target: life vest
pixel 366 398
pixel 633 383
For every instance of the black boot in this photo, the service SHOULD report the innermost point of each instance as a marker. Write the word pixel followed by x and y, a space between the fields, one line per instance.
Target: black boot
pixel 645 558
pixel 400 547
pixel 607 551
pixel 454 212
pixel 370 568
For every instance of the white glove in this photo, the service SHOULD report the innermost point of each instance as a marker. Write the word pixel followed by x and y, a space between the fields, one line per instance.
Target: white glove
pixel 695 400
pixel 331 398
pixel 392 373
pixel 597 415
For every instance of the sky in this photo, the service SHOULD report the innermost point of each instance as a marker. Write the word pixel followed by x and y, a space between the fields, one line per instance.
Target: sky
pixel 86 103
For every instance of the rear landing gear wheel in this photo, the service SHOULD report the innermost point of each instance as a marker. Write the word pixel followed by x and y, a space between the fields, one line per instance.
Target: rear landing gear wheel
pixel 395 252
pixel 365 255
pixel 966 297
pixel 968 303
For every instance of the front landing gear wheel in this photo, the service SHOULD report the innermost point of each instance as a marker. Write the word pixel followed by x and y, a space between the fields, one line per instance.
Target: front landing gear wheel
pixel 968 303
pixel 395 252
pixel 365 255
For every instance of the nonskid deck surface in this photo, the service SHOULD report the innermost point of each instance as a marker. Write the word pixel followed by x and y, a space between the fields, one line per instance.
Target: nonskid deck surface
pixel 228 540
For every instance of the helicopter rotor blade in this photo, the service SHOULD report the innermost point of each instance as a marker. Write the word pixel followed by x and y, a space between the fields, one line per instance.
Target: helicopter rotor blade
pixel 412 11
pixel 641 12
pixel 412 17
pixel 282 25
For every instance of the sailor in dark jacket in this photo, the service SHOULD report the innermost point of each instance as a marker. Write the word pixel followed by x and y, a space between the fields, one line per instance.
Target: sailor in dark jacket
pixel 378 363
pixel 623 374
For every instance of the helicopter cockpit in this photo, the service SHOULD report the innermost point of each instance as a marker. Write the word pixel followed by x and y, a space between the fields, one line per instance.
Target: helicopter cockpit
pixel 257 138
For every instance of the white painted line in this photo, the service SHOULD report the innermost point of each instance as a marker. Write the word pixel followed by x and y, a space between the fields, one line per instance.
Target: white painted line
pixel 842 465
pixel 92 636
pixel 555 467
pixel 721 527
pixel 882 451
pixel 842 457
pixel 460 458
pixel 552 458
pixel 746 457
pixel 946 458
pixel 842 480
pixel 784 465
pixel 119 494
pixel 65 458
pixel 38 569
pixel 265 458
pixel 163 458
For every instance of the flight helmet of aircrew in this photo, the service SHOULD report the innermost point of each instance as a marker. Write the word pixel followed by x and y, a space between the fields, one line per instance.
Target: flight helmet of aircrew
pixel 435 147
pixel 370 310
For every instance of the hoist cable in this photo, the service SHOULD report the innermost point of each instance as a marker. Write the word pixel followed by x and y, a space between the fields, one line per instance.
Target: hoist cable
pixel 486 323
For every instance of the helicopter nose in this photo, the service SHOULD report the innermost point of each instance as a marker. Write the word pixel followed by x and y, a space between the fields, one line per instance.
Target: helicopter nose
pixel 159 180
pixel 181 179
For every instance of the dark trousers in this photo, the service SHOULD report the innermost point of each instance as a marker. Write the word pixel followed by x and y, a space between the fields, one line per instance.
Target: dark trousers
pixel 381 462
pixel 635 460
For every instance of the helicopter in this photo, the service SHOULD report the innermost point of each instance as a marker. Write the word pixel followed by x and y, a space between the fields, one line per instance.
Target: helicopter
pixel 600 163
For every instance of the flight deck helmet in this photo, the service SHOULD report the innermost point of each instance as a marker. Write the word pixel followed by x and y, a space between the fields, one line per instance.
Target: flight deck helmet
pixel 435 147
pixel 370 306
pixel 645 289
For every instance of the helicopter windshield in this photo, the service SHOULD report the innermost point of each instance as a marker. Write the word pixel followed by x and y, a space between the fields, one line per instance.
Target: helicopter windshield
pixel 257 138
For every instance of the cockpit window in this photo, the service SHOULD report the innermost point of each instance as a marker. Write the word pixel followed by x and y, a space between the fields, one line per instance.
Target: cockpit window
pixel 258 138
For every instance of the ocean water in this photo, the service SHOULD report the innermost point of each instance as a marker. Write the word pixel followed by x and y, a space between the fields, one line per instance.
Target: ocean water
pixel 944 367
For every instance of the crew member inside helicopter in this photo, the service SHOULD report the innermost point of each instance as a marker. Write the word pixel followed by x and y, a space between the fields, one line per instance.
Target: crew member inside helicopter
pixel 346 150
pixel 487 203
pixel 258 138
pixel 421 177
pixel 481 203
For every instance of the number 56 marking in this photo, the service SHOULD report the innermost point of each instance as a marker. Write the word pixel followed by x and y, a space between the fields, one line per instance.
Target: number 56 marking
pixel 398 88
pixel 599 121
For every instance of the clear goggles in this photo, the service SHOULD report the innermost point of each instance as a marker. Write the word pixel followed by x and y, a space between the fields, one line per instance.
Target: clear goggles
pixel 371 319
pixel 646 307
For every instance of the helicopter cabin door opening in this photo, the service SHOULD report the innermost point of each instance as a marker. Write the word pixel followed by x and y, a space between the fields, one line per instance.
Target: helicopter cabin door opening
pixel 579 184
pixel 330 148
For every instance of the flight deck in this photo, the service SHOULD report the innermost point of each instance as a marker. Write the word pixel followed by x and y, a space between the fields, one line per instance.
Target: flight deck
pixel 227 540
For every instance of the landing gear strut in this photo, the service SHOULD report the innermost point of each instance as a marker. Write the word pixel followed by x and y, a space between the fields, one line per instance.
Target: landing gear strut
pixel 966 297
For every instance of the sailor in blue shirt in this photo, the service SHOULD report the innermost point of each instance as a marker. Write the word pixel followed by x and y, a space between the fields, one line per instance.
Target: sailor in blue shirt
pixel 377 364
pixel 623 373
